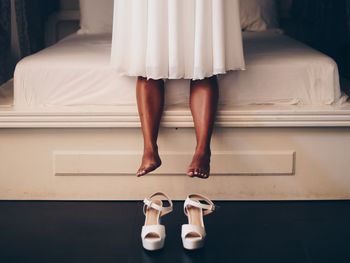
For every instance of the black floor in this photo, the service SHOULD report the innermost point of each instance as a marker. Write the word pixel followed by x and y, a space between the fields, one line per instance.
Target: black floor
pixel 315 231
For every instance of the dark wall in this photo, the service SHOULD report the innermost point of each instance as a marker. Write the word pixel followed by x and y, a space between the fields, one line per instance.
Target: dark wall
pixel 5 40
pixel 324 25
pixel 31 18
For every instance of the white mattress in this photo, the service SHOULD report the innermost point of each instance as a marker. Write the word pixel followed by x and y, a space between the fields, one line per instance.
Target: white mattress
pixel 76 71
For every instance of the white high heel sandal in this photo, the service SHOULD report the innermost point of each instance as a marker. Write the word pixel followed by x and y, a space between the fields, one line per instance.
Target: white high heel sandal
pixel 193 234
pixel 153 233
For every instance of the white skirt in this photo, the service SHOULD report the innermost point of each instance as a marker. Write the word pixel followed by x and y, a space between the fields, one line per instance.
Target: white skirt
pixel 174 39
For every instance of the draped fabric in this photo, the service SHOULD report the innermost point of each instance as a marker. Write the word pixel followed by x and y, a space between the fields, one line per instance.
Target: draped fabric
pixel 5 39
pixel 31 17
pixel 174 39
pixel 324 25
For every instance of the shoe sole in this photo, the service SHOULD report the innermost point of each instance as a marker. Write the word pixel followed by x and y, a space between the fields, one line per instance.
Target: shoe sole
pixel 191 245
pixel 152 246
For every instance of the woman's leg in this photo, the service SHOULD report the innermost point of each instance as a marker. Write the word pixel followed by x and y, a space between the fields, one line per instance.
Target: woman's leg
pixel 150 103
pixel 204 96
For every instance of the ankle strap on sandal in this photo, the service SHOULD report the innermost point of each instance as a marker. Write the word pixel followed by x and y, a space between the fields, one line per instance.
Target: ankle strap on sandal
pixel 163 209
pixel 208 208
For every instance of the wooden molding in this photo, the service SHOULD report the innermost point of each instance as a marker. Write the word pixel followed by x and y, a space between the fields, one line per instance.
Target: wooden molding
pixel 174 117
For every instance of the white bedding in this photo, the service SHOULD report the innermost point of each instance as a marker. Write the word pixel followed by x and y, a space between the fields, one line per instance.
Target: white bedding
pixel 76 71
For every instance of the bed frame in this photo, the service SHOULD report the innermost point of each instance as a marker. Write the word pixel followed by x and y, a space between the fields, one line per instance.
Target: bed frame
pixel 261 152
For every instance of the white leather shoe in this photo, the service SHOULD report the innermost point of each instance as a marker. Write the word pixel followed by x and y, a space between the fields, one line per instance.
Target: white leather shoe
pixel 153 233
pixel 193 234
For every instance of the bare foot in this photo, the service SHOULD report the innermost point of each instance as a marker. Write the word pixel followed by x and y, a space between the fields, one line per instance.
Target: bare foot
pixel 150 162
pixel 200 165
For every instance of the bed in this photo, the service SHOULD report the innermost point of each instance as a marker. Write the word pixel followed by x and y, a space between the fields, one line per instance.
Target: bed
pixel 282 130
pixel 76 72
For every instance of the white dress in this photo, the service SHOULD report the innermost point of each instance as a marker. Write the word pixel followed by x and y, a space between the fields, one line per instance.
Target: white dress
pixel 173 39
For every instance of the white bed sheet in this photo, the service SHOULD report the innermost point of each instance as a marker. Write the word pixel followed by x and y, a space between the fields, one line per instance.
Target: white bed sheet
pixel 76 72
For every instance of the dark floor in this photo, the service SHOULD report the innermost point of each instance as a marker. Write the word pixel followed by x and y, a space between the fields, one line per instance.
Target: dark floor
pixel 36 231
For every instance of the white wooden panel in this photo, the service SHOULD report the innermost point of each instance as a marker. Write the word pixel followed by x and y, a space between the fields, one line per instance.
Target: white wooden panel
pixel 124 162
pixel 321 164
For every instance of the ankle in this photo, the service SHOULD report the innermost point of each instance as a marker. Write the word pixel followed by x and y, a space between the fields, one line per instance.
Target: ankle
pixel 150 148
pixel 201 150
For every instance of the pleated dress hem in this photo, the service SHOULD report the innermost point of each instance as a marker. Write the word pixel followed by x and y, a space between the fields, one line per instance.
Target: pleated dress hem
pixel 157 76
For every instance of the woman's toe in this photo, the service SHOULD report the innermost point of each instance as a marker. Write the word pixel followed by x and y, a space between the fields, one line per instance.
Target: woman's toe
pixel 141 171
pixel 200 173
pixel 190 172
